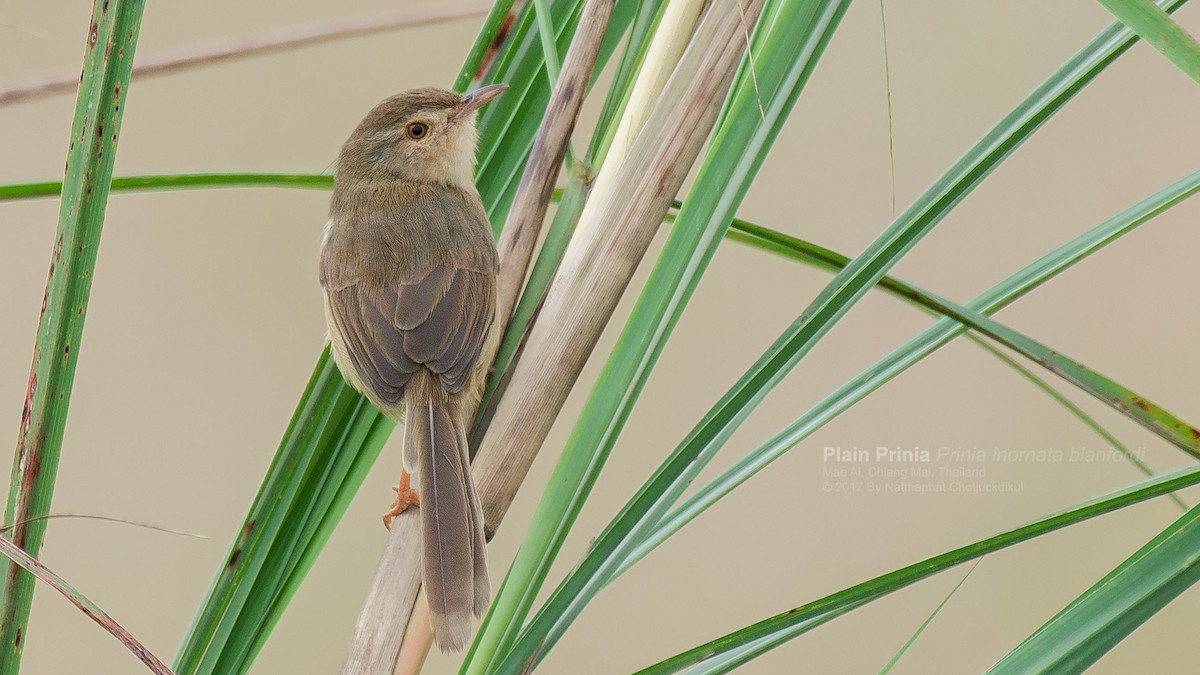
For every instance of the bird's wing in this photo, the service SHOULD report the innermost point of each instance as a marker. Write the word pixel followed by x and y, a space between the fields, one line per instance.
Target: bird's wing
pixel 438 320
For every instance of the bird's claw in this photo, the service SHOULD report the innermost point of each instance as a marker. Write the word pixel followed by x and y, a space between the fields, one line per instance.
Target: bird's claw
pixel 405 497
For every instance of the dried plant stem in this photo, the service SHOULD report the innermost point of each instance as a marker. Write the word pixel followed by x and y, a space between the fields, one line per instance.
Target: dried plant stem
pixel 615 228
pixel 278 39
pixel 670 39
pixel 528 212
pixel 386 613
pixel 389 603
pixel 93 612
pixel 418 638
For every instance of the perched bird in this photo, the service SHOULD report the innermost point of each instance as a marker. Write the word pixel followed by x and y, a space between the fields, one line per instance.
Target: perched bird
pixel 409 269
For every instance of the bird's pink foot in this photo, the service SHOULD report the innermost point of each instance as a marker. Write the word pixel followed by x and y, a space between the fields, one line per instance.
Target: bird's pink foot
pixel 405 497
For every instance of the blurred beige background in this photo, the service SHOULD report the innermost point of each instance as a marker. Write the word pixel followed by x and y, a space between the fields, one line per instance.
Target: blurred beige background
pixel 205 322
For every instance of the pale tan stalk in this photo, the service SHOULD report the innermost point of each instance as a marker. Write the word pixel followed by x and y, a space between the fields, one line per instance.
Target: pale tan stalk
pixel 389 602
pixel 418 638
pixel 268 41
pixel 528 211
pixel 670 39
pixel 90 609
pixel 616 226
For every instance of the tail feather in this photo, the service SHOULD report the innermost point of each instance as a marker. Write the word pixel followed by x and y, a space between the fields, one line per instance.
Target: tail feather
pixel 455 562
pixel 482 583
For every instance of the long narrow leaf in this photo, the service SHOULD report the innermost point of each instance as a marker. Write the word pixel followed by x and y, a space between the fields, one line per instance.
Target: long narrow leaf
pixel 89 608
pixel 1113 608
pixel 327 406
pixel 1138 408
pixel 874 376
pixel 566 216
pixel 887 668
pixel 788 49
pixel 642 512
pixel 755 639
pixel 1160 31
pixel 797 249
pixel 108 59
pixel 175 182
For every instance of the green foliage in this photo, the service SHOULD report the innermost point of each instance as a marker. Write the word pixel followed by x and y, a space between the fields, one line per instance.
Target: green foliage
pixel 335 435
pixel 107 63
pixel 1156 27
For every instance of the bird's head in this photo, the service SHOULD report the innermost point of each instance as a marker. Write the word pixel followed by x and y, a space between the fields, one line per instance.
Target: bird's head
pixel 420 135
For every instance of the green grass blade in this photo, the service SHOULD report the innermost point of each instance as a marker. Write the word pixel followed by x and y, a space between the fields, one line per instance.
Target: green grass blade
pixel 874 376
pixel 787 52
pixel 328 407
pixel 735 658
pixel 753 640
pixel 489 43
pixel 546 34
pixel 339 501
pixel 176 182
pixel 1157 28
pixel 302 533
pixel 887 667
pixel 1079 413
pixel 1129 403
pixel 1115 606
pixel 644 510
pixel 103 89
pixel 793 248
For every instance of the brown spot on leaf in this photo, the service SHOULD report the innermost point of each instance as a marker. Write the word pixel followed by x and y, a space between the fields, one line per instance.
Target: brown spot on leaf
pixel 93 33
pixel 27 409
pixel 32 469
pixel 494 46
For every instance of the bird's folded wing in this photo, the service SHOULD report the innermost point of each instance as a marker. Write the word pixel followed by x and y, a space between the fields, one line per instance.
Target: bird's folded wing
pixel 438 321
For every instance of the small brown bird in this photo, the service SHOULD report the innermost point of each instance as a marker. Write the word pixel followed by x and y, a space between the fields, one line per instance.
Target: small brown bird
pixel 409 269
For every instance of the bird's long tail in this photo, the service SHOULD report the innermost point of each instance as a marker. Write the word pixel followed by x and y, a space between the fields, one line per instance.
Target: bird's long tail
pixel 455 558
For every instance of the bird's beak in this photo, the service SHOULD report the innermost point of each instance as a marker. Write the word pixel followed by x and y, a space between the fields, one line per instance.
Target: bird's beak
pixel 472 101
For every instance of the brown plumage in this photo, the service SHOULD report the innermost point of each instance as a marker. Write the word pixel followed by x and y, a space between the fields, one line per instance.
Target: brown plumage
pixel 409 271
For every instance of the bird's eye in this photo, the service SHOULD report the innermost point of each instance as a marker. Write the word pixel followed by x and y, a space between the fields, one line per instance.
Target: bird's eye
pixel 417 130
